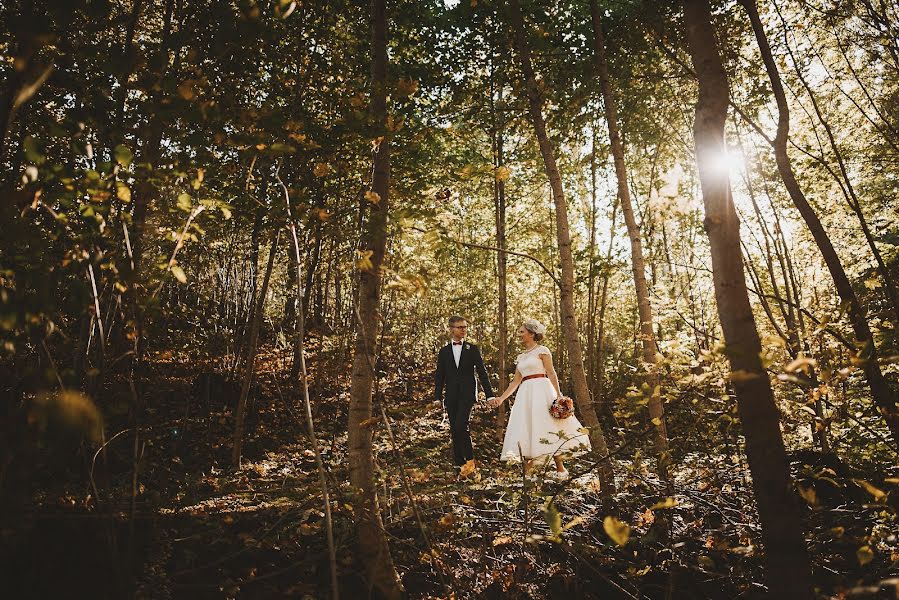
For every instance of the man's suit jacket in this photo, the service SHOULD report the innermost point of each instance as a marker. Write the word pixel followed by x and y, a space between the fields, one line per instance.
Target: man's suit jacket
pixel 459 382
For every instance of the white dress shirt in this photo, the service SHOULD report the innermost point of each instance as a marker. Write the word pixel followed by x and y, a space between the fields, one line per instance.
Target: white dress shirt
pixel 457 353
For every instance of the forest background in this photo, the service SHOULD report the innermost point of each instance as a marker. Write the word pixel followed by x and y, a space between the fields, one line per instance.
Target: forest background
pixel 233 233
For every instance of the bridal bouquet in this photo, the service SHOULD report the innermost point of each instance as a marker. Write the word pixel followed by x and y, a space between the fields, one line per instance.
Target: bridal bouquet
pixel 562 407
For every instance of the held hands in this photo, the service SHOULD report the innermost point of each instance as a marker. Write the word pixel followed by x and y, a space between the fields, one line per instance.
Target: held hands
pixel 493 402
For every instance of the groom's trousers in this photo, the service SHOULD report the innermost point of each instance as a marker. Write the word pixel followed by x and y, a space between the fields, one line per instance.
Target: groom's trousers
pixel 459 413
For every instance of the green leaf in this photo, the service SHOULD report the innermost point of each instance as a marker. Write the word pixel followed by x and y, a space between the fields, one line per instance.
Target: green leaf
pixel 32 151
pixel 553 519
pixel 279 148
pixel 122 192
pixel 123 155
pixel 619 532
pixel 185 202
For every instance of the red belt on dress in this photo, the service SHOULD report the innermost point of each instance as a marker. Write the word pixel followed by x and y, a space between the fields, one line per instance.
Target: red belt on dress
pixel 533 376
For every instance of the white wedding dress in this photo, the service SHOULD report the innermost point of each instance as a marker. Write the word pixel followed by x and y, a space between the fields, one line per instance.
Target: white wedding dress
pixel 532 432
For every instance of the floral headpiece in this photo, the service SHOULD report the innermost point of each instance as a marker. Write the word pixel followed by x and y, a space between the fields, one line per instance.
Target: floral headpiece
pixel 535 326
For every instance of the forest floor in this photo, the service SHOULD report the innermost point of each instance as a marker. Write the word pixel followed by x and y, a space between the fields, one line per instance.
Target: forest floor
pixel 201 530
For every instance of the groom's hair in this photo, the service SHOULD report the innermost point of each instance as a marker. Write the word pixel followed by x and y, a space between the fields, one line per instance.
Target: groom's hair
pixel 456 319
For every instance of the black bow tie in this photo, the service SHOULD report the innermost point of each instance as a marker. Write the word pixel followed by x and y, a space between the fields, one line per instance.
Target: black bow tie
pixel 457 343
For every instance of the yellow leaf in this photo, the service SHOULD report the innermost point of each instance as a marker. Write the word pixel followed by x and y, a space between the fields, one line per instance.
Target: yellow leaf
pixel 373 197
pixel 657 421
pixel 878 494
pixel 321 169
pixel 122 192
pixel 809 495
pixel 187 89
pixel 872 284
pixel 68 411
pixel 618 531
pixel 503 173
pixel 178 272
pixel 801 363
pixel 774 340
pixel 501 540
pixel 447 520
pixel 468 468
pixel 363 260
pixel 406 86
pixel 369 422
pixel 668 502
pixel 864 555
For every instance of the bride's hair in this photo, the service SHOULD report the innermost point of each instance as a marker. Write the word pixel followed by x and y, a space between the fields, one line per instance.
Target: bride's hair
pixel 535 327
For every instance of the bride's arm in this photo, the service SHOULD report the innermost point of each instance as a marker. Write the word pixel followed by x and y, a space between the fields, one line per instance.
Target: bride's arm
pixel 551 372
pixel 513 385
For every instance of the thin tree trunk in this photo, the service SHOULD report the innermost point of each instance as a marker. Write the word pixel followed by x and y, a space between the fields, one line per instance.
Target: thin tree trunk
pixel 843 179
pixel 566 290
pixel 374 550
pixel 638 265
pixel 300 333
pixel 255 323
pixel 499 197
pixel 591 277
pixel 312 269
pixel 604 407
pixel 789 575
pixel 884 398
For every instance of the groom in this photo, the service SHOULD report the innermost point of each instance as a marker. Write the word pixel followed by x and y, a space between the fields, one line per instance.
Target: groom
pixel 456 365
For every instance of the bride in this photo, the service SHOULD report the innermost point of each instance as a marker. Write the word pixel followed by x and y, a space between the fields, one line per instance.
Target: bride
pixel 532 432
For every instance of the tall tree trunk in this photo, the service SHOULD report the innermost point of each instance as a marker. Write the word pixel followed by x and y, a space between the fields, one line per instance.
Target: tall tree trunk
pixel 145 191
pixel 591 276
pixel 638 265
pixel 883 396
pixel 255 322
pixel 566 291
pixel 499 199
pixel 787 560
pixel 373 546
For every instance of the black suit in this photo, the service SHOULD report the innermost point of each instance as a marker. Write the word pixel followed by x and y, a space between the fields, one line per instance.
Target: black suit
pixel 460 387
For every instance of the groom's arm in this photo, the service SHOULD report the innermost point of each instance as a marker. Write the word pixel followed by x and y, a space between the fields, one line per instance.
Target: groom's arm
pixel 482 373
pixel 439 378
